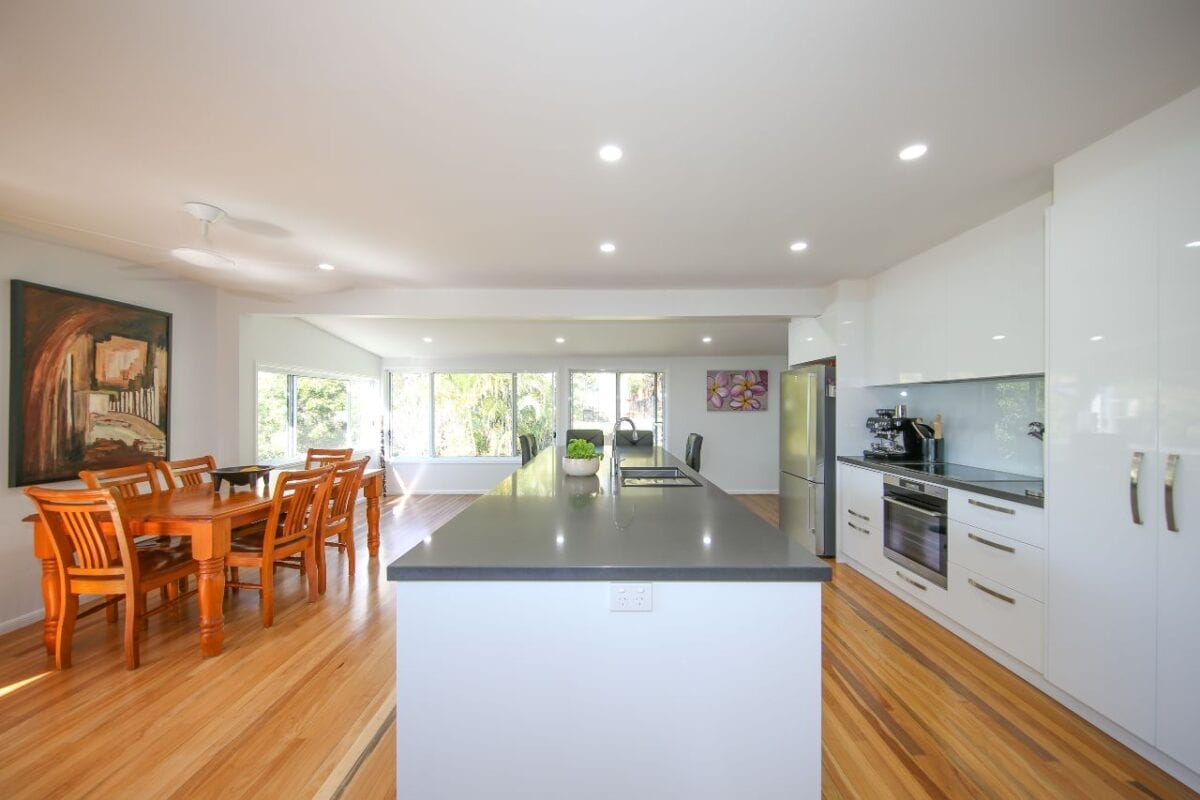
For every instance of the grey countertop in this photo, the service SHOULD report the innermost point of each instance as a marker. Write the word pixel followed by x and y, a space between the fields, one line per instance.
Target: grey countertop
pixel 1001 485
pixel 539 524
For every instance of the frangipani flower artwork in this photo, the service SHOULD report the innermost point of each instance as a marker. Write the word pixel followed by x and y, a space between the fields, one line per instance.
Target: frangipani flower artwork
pixel 737 390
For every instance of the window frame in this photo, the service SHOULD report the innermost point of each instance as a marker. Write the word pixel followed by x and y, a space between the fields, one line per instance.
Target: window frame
pixel 431 432
pixel 660 396
pixel 292 373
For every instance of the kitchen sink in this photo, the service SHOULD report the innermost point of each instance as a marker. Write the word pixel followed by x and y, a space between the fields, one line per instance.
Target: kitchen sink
pixel 656 476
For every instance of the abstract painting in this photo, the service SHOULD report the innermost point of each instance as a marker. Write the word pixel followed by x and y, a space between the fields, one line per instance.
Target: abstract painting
pixel 737 390
pixel 89 386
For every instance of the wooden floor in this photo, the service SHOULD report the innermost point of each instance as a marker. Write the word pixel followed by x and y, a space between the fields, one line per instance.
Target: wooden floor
pixel 302 709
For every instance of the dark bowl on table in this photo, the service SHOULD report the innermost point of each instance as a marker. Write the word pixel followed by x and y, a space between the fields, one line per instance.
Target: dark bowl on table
pixel 241 476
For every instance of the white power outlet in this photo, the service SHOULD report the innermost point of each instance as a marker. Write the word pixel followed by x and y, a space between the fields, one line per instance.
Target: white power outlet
pixel 631 597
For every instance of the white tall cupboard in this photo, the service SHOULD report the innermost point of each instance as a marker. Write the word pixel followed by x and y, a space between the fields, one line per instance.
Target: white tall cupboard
pixel 1123 398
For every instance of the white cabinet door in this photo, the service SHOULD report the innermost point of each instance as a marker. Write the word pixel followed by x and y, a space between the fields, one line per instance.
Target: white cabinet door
pixel 1179 440
pixel 908 323
pixel 996 296
pixel 1101 391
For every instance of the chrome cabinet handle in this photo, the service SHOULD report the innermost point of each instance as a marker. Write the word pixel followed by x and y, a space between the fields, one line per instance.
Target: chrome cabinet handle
pixel 1169 492
pixel 913 508
pixel 860 530
pixel 1135 472
pixel 907 579
pixel 990 543
pixel 989 506
pixel 992 592
pixel 854 513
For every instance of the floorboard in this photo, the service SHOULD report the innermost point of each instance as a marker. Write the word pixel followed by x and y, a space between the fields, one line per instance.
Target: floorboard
pixel 910 710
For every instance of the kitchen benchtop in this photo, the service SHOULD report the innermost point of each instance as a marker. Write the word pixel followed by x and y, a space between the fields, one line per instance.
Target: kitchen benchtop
pixel 539 524
pixel 1001 485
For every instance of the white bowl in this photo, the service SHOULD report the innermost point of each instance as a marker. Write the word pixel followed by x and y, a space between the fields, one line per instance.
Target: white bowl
pixel 581 467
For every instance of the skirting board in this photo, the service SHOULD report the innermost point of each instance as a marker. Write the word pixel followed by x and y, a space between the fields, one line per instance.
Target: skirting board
pixel 21 621
pixel 1039 682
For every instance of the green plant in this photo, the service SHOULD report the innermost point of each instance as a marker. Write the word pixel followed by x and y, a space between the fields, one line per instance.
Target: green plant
pixel 581 448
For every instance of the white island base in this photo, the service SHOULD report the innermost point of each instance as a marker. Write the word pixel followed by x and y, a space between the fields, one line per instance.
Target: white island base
pixel 535 689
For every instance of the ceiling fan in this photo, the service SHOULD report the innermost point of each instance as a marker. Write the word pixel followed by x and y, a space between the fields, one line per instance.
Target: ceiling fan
pixel 203 256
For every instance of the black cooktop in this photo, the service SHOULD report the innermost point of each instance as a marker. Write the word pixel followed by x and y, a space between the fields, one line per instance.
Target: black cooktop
pixel 960 472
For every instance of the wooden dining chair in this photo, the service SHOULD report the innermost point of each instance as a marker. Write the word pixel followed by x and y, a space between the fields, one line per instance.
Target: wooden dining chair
pixel 131 481
pixel 339 515
pixel 94 561
pixel 187 472
pixel 324 456
pixel 292 528
pixel 135 480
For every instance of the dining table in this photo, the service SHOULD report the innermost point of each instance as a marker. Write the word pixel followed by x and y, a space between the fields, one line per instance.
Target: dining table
pixel 208 518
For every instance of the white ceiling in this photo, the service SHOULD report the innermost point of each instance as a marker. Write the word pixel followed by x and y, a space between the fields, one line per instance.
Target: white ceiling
pixel 453 143
pixel 393 337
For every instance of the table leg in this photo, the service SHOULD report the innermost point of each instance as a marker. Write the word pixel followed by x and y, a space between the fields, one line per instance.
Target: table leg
pixel 50 601
pixel 373 525
pixel 211 585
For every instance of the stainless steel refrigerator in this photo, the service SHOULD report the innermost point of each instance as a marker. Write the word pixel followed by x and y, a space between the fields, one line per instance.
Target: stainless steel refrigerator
pixel 807 462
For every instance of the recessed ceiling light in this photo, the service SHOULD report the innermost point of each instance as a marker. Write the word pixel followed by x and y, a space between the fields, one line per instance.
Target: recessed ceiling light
pixel 608 247
pixel 1193 244
pixel 998 337
pixel 707 540
pixel 559 340
pixel 427 339
pixel 326 267
pixel 208 259
pixel 610 153
pixel 560 539
pixel 809 339
pixel 913 152
pixel 428 540
pixel 706 339
pixel 1096 338
pixel 798 247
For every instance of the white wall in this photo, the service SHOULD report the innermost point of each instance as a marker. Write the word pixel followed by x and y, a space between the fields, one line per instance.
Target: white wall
pixel 193 371
pixel 292 343
pixel 740 454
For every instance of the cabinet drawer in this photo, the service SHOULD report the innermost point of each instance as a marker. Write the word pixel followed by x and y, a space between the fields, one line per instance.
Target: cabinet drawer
pixel 1000 614
pixel 1013 563
pixel 862 543
pixel 913 584
pixel 1014 520
pixel 862 497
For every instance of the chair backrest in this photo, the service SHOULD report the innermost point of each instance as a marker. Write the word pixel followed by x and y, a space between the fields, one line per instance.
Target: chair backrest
pixel 691 453
pixel 298 506
pixel 533 445
pixel 593 435
pixel 132 481
pixel 323 456
pixel 187 471
pixel 343 490
pixel 526 443
pixel 77 520
pixel 644 439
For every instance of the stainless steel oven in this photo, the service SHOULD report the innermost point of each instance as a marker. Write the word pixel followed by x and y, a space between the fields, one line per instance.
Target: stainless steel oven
pixel 914 526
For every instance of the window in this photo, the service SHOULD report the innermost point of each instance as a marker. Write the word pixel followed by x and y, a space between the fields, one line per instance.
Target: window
pixel 298 411
pixel 469 414
pixel 599 399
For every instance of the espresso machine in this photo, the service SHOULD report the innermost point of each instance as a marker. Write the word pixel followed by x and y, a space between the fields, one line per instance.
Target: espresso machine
pixel 897 437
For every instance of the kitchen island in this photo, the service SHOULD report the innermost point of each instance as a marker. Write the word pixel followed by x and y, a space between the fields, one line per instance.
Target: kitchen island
pixel 518 677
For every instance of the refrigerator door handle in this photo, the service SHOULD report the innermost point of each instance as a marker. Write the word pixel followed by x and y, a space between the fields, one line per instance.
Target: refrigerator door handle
pixel 810 384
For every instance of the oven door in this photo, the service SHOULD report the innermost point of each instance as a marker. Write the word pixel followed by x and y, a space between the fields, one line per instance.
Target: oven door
pixel 915 538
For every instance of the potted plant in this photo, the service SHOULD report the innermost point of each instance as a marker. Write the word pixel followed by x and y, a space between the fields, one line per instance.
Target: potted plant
pixel 581 459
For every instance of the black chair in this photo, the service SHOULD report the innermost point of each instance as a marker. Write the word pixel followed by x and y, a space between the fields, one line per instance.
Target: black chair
pixel 533 445
pixel 593 435
pixel 691 453
pixel 644 439
pixel 525 441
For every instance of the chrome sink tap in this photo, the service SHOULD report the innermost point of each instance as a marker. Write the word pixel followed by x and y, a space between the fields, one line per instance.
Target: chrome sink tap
pixel 616 459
